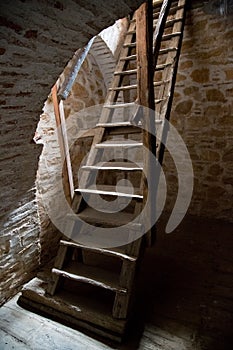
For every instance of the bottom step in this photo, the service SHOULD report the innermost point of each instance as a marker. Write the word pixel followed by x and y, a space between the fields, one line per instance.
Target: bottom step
pixel 78 311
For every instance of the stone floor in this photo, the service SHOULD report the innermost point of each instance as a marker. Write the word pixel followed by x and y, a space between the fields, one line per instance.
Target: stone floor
pixel 185 299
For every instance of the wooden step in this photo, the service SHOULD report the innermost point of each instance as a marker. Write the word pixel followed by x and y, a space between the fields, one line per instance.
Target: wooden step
pixel 119 143
pixel 167 50
pixel 107 252
pixel 92 275
pixel 128 58
pixel 130 45
pixel 170 36
pixel 162 66
pixel 114 125
pixel 111 191
pixel 128 124
pixel 162 82
pixel 124 166
pixel 120 105
pixel 127 72
pixel 96 217
pixel 171 22
pixel 172 10
pixel 125 87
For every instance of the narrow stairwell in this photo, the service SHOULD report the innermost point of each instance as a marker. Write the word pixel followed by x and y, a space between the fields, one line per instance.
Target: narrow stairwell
pixel 114 204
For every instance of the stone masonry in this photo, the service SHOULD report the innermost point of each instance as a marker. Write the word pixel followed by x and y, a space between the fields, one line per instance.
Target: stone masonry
pixel 202 113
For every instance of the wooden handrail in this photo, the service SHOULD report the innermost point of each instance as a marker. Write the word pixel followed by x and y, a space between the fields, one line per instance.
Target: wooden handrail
pixel 63 144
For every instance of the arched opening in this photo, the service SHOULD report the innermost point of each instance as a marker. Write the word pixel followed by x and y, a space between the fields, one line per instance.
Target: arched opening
pixel 87 89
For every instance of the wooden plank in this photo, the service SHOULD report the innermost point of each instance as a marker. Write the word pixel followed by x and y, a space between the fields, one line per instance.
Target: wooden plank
pixel 64 149
pixel 109 191
pixel 144 28
pixel 171 22
pixel 130 44
pixel 74 307
pixel 92 275
pixel 106 252
pixel 121 143
pixel 124 166
pixel 167 50
pixel 59 261
pixel 162 66
pixel 115 125
pixel 120 105
pixel 124 87
pixel 170 36
pixel 129 58
pixel 126 72
pixel 122 301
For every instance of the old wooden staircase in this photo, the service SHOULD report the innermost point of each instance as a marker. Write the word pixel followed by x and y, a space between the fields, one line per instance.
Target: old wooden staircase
pixel 98 276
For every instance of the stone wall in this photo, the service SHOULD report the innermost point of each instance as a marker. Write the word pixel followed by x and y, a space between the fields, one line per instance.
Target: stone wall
pixel 37 39
pixel 202 112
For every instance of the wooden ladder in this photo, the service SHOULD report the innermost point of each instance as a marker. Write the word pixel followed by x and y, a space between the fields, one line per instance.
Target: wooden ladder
pixel 167 47
pixel 117 154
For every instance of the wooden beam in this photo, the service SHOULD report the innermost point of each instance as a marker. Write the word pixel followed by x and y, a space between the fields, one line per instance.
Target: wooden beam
pixel 63 144
pixel 145 92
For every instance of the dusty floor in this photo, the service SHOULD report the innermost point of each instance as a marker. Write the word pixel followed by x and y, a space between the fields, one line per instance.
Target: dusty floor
pixel 185 299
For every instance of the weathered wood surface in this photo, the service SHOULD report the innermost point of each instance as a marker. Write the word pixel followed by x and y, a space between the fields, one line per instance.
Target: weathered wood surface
pixel 145 92
pixel 91 275
pixel 111 191
pixel 63 144
pixel 79 311
pixel 100 251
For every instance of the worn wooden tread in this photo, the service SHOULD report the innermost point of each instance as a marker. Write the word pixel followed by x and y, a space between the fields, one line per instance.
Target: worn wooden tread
pixel 128 58
pixel 170 36
pixel 107 252
pixel 126 72
pixel 111 191
pixel 167 50
pixel 120 105
pixel 130 44
pixel 162 66
pixel 171 22
pixel 172 10
pixel 115 124
pixel 124 166
pixel 119 143
pixel 161 82
pixel 124 87
pixel 93 216
pixel 75 307
pixel 92 275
